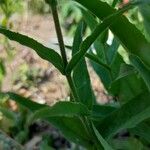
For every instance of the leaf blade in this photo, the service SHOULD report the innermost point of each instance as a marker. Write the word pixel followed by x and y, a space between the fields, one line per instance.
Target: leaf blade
pixel 26 102
pixel 128 116
pixel 61 109
pixel 44 52
pixel 73 129
pixel 80 72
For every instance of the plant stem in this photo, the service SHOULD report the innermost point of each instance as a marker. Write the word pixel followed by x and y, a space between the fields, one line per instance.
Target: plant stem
pixel 62 49
pixel 59 34
pixel 73 88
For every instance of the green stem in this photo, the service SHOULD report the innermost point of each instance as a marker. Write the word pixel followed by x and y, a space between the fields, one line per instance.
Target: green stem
pixel 59 33
pixel 62 48
pixel 73 88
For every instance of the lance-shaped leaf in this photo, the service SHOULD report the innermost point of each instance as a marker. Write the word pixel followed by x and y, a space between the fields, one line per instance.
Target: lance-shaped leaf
pixel 26 102
pixel 99 42
pixel 128 116
pixel 44 52
pixel 73 129
pixel 101 111
pixel 90 39
pixel 122 28
pixel 61 109
pixel 112 51
pixel 80 72
pixel 127 79
pixel 102 70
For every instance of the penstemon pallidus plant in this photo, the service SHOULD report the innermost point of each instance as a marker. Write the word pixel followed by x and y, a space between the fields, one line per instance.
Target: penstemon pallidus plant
pixel 82 120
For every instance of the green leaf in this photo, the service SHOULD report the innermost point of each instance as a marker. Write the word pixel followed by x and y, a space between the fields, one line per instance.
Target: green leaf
pixel 101 111
pixel 112 50
pixel 122 29
pixel 97 31
pixel 99 42
pixel 124 87
pixel 67 109
pixel 116 65
pixel 103 142
pixel 143 70
pixel 80 73
pixel 103 73
pixel 128 116
pixel 26 102
pixel 108 75
pixel 94 58
pixel 44 52
pixel 125 70
pixel 73 129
